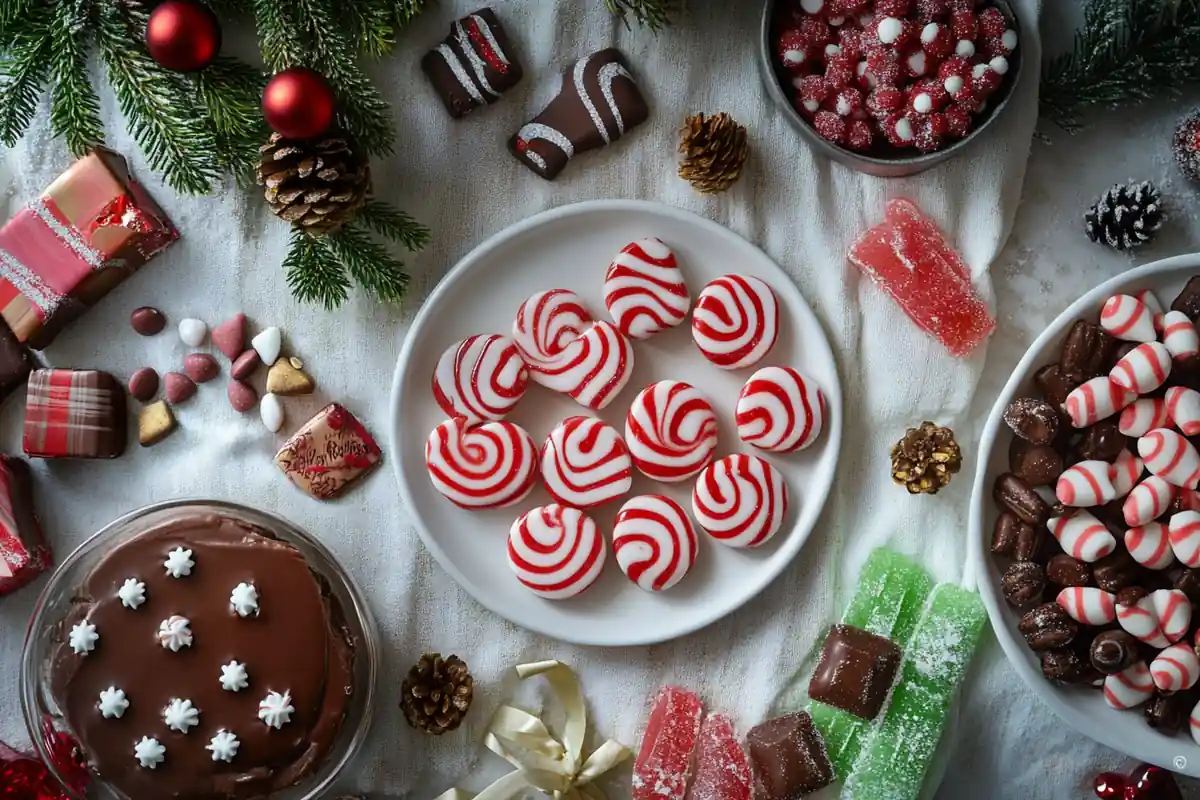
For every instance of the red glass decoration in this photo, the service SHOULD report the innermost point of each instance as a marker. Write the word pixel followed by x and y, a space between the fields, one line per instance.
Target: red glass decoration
pixel 183 35
pixel 298 103
pixel 1144 782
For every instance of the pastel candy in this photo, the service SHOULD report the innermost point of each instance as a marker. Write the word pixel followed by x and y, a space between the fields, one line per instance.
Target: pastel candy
pixel 1125 473
pixel 1088 605
pixel 1179 335
pixel 1143 369
pixel 1128 319
pixel 1148 501
pixel 1183 406
pixel 1174 612
pixel 1150 545
pixel 1086 484
pixel 1184 534
pixel 1153 306
pixel 1143 416
pixel 1176 668
pixel 1129 688
pixel 1171 457
pixel 1082 536
pixel 1141 620
pixel 1095 400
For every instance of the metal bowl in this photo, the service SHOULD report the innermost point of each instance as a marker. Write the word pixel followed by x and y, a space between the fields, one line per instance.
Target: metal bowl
pixel 880 161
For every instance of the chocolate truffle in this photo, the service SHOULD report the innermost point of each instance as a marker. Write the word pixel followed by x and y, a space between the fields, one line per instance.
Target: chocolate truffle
pixel 788 757
pixel 855 671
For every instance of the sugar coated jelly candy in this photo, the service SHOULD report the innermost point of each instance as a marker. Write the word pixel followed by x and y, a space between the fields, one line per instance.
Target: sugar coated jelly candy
pixel 722 769
pixel 664 762
pixel 909 257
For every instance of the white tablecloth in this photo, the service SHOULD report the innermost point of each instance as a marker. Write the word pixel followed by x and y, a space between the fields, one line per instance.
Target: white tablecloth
pixel 459 179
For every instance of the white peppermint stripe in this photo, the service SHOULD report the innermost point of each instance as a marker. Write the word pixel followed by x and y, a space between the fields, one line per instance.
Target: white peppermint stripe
pixel 478 66
pixel 608 74
pixel 451 58
pixel 68 234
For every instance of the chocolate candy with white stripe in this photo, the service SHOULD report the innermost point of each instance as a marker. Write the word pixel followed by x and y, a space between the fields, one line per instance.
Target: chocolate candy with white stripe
pixel 475 65
pixel 598 104
pixel 1114 651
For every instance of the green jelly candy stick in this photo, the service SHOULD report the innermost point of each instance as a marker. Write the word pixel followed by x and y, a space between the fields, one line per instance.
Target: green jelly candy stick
pixel 897 754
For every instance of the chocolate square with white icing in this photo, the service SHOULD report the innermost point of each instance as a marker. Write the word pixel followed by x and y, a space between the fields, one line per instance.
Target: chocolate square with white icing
pixel 475 65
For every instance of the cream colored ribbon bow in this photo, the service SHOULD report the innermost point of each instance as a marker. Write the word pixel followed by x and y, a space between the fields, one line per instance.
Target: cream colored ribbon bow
pixel 542 761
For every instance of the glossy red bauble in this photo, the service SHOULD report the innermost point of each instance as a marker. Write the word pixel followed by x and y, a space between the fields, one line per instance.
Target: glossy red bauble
pixel 298 103
pixel 26 779
pixel 183 35
pixel 1145 782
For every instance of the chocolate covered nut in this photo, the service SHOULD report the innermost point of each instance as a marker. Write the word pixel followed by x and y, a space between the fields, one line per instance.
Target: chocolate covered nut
pixel 1047 627
pixel 1167 712
pixel 1038 464
pixel 147 321
pixel 474 66
pixel 1014 493
pixel 1085 351
pixel 1031 541
pixel 143 384
pixel 1117 571
pixel 1102 442
pixel 1188 582
pixel 1130 595
pixel 1054 384
pixel 1005 533
pixel 1113 651
pixel 1033 419
pixel 1188 301
pixel 1062 570
pixel 1063 666
pixel 854 671
pixel 1023 583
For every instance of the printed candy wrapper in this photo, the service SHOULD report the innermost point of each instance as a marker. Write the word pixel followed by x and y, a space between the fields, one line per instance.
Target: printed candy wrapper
pixel 331 451
pixel 90 229
pixel 23 551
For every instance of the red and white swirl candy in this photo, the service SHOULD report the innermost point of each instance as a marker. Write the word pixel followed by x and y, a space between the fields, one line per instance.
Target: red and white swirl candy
pixel 1184 533
pixel 1148 501
pixel 780 410
pixel 486 466
pixel 740 500
pixel 594 368
pixel 1179 335
pixel 480 378
pixel 1088 605
pixel 1143 369
pixel 1095 400
pixel 556 551
pixel 1171 457
pixel 1082 536
pixel 585 463
pixel 1125 473
pixel 736 321
pixel 671 431
pixel 1128 319
pixel 1152 305
pixel 546 324
pixel 1183 404
pixel 1194 723
pixel 1129 688
pixel 644 289
pixel 1086 484
pixel 1143 416
pixel 1176 668
pixel 654 542
pixel 1150 545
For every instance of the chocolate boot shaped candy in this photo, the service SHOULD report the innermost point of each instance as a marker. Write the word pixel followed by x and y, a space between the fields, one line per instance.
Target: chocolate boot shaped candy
pixel 598 103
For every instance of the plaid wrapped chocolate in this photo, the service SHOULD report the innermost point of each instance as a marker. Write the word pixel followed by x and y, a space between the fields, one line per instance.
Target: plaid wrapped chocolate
pixel 74 414
pixel 91 228
pixel 23 551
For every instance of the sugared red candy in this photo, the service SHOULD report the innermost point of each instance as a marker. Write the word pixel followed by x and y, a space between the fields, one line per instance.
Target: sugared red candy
pixel 859 135
pixel 555 551
pixel 740 500
pixel 1148 501
pixel 1095 400
pixel 664 761
pixel 936 40
pixel 487 466
pixel 585 463
pixel 1129 688
pixel 955 75
pixel 1088 605
pixel 992 22
pixel 780 411
pixel 1143 369
pixel 1128 319
pixel 1082 536
pixel 958 121
pixel 840 70
pixel 1143 416
pixel 899 130
pixel 847 102
pixel 480 378
pixel 793 53
pixel 654 542
pixel 830 126
pixel 1183 406
pixel 722 770
pixel 812 91
pixel 1086 484
pixel 644 289
pixel 736 320
pixel 671 431
pixel 1184 533
pixel 1171 457
pixel 1150 545
pixel 963 25
pixel 1175 668
pixel 927 97
pixel 1179 335
pixel 882 70
pixel 884 101
pixel 1126 470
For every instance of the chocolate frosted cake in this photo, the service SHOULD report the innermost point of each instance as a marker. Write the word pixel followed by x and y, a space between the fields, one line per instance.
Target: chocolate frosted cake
pixel 203 658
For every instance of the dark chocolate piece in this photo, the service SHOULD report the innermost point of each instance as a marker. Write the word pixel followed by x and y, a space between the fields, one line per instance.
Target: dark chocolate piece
pixel 1062 570
pixel 1188 301
pixel 598 104
pixel 1023 583
pixel 1055 385
pixel 1114 651
pixel 855 671
pixel 15 362
pixel 1167 712
pixel 1039 464
pixel 1117 570
pixel 1102 441
pixel 475 65
pixel 1015 494
pixel 74 414
pixel 1032 419
pixel 1130 595
pixel 1048 627
pixel 1188 582
pixel 1085 351
pixel 788 757
pixel 1065 666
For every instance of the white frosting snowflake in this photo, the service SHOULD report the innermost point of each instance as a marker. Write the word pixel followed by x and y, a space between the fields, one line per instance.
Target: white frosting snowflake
pixel 175 632
pixel 113 703
pixel 179 563
pixel 132 593
pixel 181 715
pixel 149 752
pixel 83 638
pixel 224 746
pixel 244 599
pixel 276 709
pixel 234 677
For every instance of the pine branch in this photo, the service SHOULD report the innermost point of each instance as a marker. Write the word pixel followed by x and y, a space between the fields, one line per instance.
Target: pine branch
pixel 74 107
pixel 369 263
pixel 379 217
pixel 13 12
pixel 374 30
pixel 282 43
pixel 406 10
pixel 654 14
pixel 314 273
pixel 23 71
pixel 230 93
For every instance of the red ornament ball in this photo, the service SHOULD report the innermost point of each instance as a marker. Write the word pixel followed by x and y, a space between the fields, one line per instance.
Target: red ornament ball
pixel 183 35
pixel 298 103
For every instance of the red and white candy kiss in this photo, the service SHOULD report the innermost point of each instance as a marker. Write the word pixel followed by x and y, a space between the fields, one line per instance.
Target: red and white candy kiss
pixel 1153 306
pixel 1088 605
pixel 1184 533
pixel 1130 687
pixel 1082 536
pixel 1143 416
pixel 1171 457
pixel 1143 369
pixel 1128 319
pixel 1095 400
pixel 1174 612
pixel 1150 545
pixel 487 466
pixel 1148 501
pixel 1142 621
pixel 1086 484
pixel 1179 335
pixel 1183 404
pixel 1176 668
pixel 1125 473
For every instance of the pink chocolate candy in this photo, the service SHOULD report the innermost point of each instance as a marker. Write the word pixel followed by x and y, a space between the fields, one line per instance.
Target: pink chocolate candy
pixel 1128 319
pixel 1125 473
pixel 1129 688
pixel 1176 668
pixel 1143 369
pixel 1082 536
pixel 1171 457
pixel 1148 501
pixel 1095 400
pixel 1183 405
pixel 1150 545
pixel 1179 335
pixel 1088 605
pixel 1086 484
pixel 1184 534
pixel 1143 416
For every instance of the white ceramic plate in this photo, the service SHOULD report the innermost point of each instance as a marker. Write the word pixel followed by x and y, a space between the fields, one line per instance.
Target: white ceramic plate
pixel 571 247
pixel 1081 708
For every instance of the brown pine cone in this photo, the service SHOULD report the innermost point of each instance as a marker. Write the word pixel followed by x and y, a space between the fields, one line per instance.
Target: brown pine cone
pixel 436 693
pixel 926 459
pixel 714 152
pixel 315 184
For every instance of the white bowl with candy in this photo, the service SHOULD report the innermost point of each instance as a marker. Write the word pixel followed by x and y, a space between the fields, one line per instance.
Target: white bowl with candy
pixel 1085 517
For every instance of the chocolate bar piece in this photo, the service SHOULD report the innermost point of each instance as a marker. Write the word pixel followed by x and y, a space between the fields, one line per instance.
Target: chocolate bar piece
pixel 1188 300
pixel 475 65
pixel 855 671
pixel 23 551
pixel 74 414
pixel 597 105
pixel 15 362
pixel 331 451
pixel 788 757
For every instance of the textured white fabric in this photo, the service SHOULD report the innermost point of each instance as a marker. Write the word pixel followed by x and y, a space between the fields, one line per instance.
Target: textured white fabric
pixel 457 176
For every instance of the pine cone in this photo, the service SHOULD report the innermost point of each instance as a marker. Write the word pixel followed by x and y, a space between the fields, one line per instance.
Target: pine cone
pixel 315 184
pixel 714 151
pixel 436 693
pixel 925 459
pixel 1126 216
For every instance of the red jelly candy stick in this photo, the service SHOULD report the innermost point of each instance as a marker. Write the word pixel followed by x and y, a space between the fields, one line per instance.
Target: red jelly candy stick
pixel 722 769
pixel 664 762
pixel 907 255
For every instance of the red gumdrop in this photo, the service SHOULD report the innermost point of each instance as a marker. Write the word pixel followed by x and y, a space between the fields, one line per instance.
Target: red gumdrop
pixel 892 8
pixel 936 40
pixel 847 102
pixel 884 101
pixel 851 42
pixel 859 135
pixel 839 70
pixel 813 89
pixel 1148 782
pixel 898 130
pixel 816 33
pixel 664 760
pixel 1109 786
pixel 928 10
pixel 963 25
pixel 830 126
pixel 927 96
pixel 992 22
pixel 961 5
pixel 931 130
pixel 844 8
pixel 958 121
pixel 883 70
pixel 792 49
pixel 993 46
pixel 984 80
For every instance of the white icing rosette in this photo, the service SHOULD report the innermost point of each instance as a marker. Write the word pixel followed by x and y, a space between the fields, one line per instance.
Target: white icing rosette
pixel 740 500
pixel 736 321
pixel 556 551
pixel 654 542
pixel 644 289
pixel 585 463
pixel 780 410
pixel 480 378
pixel 671 431
pixel 487 466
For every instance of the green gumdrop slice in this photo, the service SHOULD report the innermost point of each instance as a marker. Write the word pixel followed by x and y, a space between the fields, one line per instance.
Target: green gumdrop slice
pixel 892 588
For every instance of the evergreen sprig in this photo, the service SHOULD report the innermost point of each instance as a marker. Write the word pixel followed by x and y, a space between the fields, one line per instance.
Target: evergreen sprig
pixel 1126 52
pixel 654 14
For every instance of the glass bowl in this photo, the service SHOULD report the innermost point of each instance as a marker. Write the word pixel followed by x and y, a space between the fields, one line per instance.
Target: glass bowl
pixel 42 714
